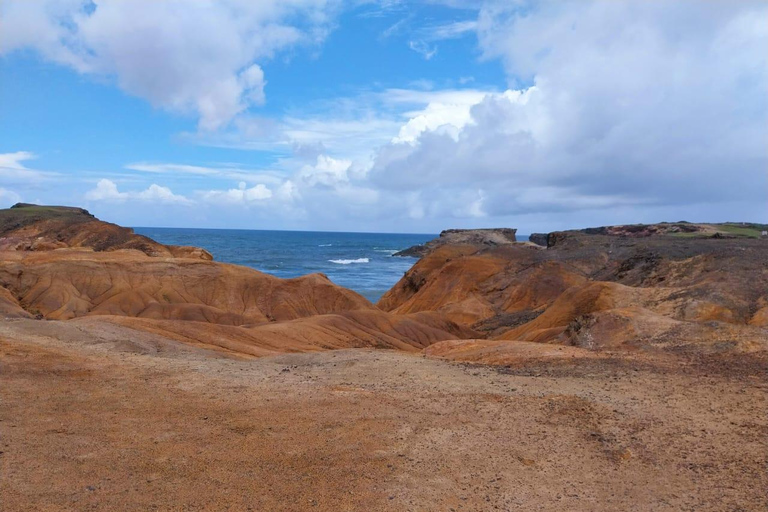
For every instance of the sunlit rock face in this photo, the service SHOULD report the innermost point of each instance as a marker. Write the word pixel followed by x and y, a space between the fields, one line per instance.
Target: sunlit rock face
pixel 658 285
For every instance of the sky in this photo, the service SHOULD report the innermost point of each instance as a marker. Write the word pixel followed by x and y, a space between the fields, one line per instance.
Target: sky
pixel 388 115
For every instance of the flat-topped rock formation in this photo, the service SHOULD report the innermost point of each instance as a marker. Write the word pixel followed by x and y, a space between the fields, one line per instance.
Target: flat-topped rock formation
pixel 664 229
pixel 30 227
pixel 486 237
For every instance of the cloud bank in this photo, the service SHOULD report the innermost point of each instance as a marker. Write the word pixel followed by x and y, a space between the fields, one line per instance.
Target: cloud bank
pixel 630 103
pixel 106 190
pixel 182 56
pixel 613 112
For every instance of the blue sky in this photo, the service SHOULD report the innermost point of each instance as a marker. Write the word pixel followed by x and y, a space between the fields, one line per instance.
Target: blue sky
pixel 385 116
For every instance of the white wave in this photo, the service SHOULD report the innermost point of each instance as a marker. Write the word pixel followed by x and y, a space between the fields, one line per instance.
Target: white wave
pixel 388 251
pixel 325 245
pixel 347 262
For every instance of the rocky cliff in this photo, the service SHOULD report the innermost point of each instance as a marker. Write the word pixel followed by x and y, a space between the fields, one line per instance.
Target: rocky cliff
pixel 60 263
pixel 599 289
pixel 478 291
pixel 30 227
pixel 474 237
pixel 128 383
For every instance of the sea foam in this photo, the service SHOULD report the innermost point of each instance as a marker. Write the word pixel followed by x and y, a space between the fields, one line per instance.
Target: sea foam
pixel 347 262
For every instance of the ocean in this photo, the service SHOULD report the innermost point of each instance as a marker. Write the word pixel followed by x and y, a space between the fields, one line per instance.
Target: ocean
pixel 362 262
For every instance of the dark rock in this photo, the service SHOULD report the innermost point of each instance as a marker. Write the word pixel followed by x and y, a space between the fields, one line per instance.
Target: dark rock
pixel 491 237
pixel 539 239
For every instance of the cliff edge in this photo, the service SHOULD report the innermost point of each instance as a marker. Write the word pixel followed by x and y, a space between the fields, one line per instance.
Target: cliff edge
pixel 31 227
pixel 490 237
pixel 63 264
pixel 703 287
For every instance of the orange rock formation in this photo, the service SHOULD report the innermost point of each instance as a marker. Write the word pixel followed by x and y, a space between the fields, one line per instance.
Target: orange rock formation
pixel 601 289
pixel 593 290
pixel 108 274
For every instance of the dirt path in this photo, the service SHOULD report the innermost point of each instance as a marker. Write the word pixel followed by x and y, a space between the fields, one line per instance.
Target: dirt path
pixel 98 421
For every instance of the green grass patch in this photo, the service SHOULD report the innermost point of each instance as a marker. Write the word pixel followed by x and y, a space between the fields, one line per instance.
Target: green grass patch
pixel 696 234
pixel 41 212
pixel 749 231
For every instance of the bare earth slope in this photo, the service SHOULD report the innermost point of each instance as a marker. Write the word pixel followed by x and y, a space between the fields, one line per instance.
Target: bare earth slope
pixel 234 308
pixel 619 368
pixel 31 227
pixel 598 290
pixel 108 274
pixel 165 426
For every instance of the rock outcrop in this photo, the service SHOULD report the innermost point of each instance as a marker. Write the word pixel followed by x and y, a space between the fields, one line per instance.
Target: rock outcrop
pixel 538 239
pixel 60 263
pixel 597 289
pixel 479 292
pixel 484 237
pixel 203 302
pixel 30 227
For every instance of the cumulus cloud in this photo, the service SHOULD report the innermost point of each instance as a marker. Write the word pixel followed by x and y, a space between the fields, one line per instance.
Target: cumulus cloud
pixel 445 112
pixel 316 195
pixel 199 57
pixel 326 185
pixel 106 190
pixel 610 106
pixel 327 171
pixel 240 195
pixel 352 127
pixel 615 103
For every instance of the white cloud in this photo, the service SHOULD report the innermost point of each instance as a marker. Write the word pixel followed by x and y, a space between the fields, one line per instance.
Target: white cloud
pixel 423 48
pixel 106 190
pixel 173 168
pixel 446 111
pixel 233 172
pixel 329 186
pixel 350 127
pixel 161 194
pixel 240 195
pixel 183 56
pixel 426 37
pixel 288 192
pixel 632 103
pixel 396 28
pixel 12 161
pixel 13 171
pixel 327 171
pixel 622 109
pixel 449 30
pixel 643 108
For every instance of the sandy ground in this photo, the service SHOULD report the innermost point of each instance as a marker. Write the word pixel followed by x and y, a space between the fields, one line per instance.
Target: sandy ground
pixel 113 420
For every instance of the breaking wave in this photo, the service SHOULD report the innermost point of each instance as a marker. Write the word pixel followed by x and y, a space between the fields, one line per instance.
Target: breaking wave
pixel 347 262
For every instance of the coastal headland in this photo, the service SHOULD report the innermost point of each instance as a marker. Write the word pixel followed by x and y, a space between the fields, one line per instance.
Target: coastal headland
pixel 612 368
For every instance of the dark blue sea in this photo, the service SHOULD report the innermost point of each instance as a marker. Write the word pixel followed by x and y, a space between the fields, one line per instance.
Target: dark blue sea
pixel 362 262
